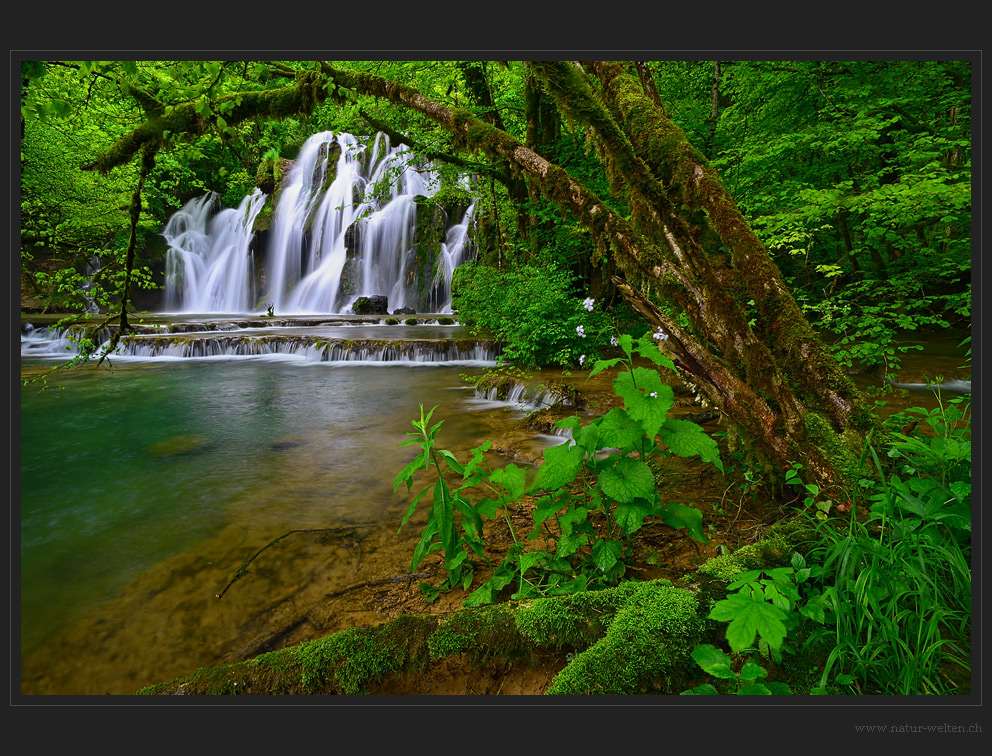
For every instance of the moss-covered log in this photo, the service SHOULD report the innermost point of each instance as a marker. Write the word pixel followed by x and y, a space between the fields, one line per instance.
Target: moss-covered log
pixel 633 639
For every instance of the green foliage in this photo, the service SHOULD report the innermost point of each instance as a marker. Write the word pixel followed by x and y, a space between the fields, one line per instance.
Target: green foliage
pixel 454 525
pixel 534 312
pixel 762 607
pixel 598 490
pixel 897 580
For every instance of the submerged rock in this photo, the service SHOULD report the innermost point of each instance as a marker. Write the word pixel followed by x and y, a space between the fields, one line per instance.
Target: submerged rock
pixel 176 445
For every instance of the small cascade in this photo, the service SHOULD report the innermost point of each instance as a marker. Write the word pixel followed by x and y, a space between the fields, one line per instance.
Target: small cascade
pixel 525 396
pixel 209 264
pixel 303 341
pixel 453 253
pixel 92 268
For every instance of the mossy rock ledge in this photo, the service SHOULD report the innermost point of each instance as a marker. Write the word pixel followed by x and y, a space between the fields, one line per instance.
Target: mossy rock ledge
pixel 634 638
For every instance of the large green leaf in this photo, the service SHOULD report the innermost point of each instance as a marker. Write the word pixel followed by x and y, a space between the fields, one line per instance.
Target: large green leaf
pixel 569 544
pixel 748 617
pixel 631 516
pixel 713 661
pixel 561 466
pixel 686 439
pixel 512 478
pixel 628 480
pixel 618 430
pixel 677 515
pixel 645 397
pixel 606 553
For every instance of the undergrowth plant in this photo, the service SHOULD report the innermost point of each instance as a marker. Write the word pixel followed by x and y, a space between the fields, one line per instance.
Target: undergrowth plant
pixel 761 609
pixel 898 580
pixel 592 493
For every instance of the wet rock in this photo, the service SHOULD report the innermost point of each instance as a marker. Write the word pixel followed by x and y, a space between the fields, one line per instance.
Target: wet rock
pixel 405 311
pixel 701 417
pixel 177 445
pixel 377 304
pixel 286 443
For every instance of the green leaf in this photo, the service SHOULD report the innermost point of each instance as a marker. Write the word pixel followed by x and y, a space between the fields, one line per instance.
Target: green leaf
pixel 758 689
pixel 569 544
pixel 406 474
pixel 619 430
pixel 512 478
pixel 626 343
pixel 713 661
pixel 587 437
pixel 453 462
pixel 686 439
pixel 751 671
pixel 561 466
pixel 601 365
pixel 443 515
pixel 412 507
pixel 529 558
pixel 628 480
pixel 648 348
pixel 572 517
pixel 630 517
pixel 636 388
pixel 605 553
pixel 749 617
pixel 678 515
pixel 487 507
pixel 480 596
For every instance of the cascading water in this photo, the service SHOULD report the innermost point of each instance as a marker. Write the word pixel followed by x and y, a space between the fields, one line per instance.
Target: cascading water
pixel 345 226
pixel 453 253
pixel 209 265
pixel 92 268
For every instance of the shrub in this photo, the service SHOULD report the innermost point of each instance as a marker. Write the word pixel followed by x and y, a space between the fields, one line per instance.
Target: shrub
pixel 536 312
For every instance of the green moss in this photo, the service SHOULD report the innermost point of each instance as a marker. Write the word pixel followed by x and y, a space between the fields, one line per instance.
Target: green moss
pixel 484 632
pixel 391 321
pixel 773 550
pixel 410 321
pixel 646 648
pixel 842 450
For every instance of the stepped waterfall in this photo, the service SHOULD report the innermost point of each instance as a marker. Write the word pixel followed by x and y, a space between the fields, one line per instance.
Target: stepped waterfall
pixel 344 226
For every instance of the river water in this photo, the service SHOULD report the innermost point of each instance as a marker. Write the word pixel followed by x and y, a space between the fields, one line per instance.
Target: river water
pixel 145 486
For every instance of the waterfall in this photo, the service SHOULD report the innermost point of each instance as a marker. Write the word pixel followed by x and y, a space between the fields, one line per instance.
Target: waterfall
pixel 92 268
pixel 453 253
pixel 344 226
pixel 209 264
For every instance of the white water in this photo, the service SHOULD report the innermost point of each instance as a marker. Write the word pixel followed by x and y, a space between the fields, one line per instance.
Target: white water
pixel 209 265
pixel 308 266
pixel 427 345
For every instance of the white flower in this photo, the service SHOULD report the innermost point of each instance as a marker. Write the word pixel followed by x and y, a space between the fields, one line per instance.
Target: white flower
pixel 582 359
pixel 654 394
pixel 660 335
pixel 613 340
pixel 588 303
pixel 581 331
